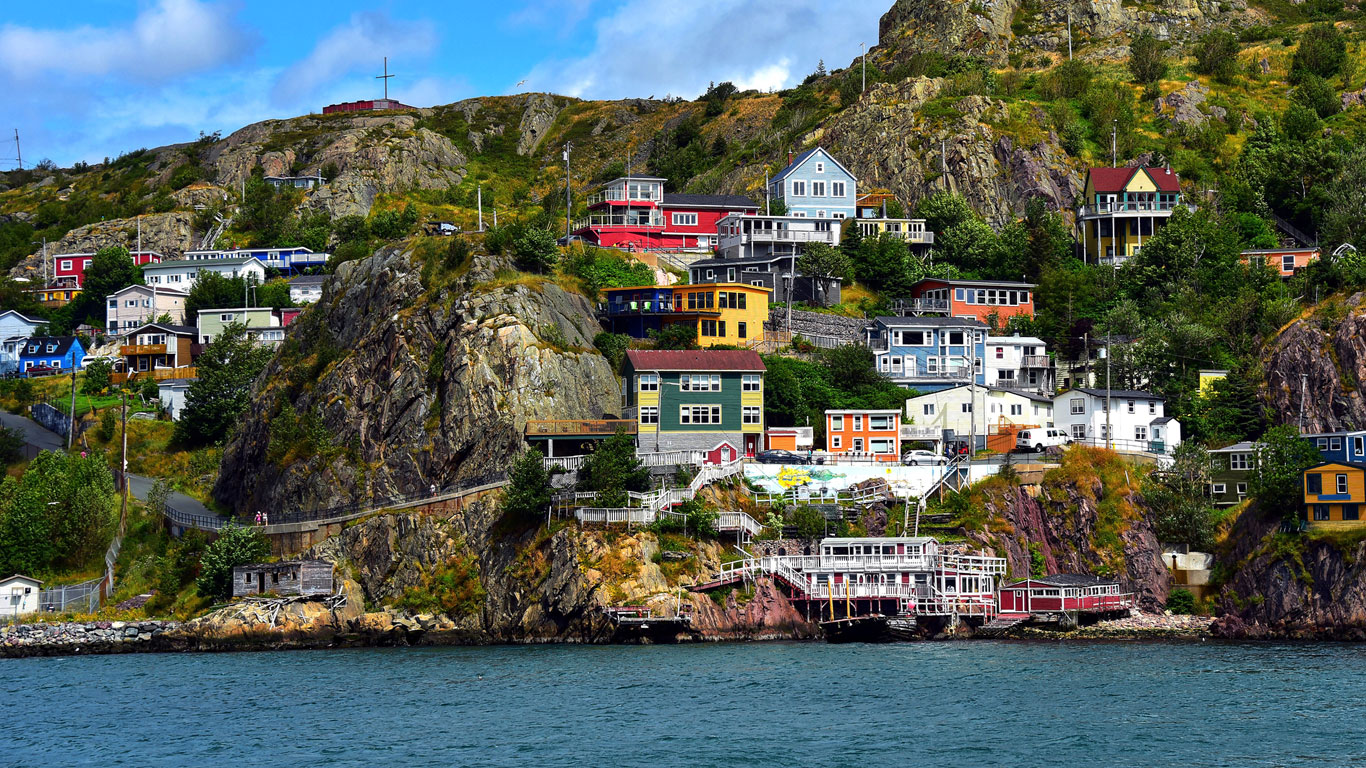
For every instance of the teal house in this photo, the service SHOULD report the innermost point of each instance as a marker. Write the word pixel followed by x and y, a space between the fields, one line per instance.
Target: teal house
pixel 706 400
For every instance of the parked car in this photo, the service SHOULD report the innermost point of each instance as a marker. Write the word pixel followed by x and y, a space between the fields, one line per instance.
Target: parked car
pixel 916 458
pixel 1039 439
pixel 780 457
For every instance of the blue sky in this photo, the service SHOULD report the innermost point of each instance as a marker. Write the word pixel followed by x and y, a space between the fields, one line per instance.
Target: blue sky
pixel 89 79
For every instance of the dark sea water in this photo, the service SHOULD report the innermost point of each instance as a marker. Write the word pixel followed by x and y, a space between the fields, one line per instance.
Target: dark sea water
pixel 777 704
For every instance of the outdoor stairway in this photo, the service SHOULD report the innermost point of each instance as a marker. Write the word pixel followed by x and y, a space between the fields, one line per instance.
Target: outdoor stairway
pixel 1001 623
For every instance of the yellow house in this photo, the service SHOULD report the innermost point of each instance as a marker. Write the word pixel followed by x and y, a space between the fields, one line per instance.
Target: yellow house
pixel 722 313
pixel 1207 379
pixel 1334 493
pixel 1122 206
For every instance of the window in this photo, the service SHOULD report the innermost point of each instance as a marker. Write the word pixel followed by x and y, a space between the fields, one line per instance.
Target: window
pixel 1288 265
pixel 1218 489
pixel 685 219
pixel 880 423
pixel 1140 432
pixel 858 445
pixel 837 189
pixel 1313 483
pixel 1357 445
pixel 752 415
pixel 858 423
pixel 882 446
pixel 1334 443
pixel 699 414
pixel 1342 484
pixel 709 328
pixel 649 382
pixel 820 167
pixel 1000 353
pixel 956 338
pixel 1351 512
pixel 1152 407
pixel 798 188
pixel 967 407
pixel 701 382
pixel 1131 406
pixel 837 423
pixel 1320 511
pixel 226 317
pixel 1078 406
pixel 929 409
pixel 820 214
pixel 750 382
pixel 1323 443
pixel 835 441
pixel 742 330
pixel 66 265
pixel 649 414
pixel 1239 460
pixel 1016 410
pixel 1078 431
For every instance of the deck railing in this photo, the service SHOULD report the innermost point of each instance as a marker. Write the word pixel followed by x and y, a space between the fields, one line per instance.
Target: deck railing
pixel 557 427
pixel 156 374
pixel 1036 361
pixel 903 307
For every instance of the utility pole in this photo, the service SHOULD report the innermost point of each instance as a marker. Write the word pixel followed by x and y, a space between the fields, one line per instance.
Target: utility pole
pixel 139 233
pixel 71 422
pixel 123 514
pixel 1114 146
pixel 768 211
pixel 568 202
pixel 479 194
pixel 1109 438
pixel 863 56
pixel 17 151
pixel 1069 31
pixel 1304 387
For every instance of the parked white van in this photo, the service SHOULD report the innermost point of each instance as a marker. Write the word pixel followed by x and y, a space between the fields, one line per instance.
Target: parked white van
pixel 1039 439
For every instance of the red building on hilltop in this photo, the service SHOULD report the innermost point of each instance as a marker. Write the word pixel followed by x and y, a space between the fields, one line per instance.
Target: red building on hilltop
pixel 373 105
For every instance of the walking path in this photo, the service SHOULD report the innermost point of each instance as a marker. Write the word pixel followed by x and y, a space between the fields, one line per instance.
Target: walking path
pixel 44 439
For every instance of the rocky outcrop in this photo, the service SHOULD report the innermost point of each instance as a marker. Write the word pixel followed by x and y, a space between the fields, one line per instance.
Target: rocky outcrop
pixel 767 615
pixel 170 234
pixel 1291 585
pixel 1325 352
pixel 91 637
pixel 1184 106
pixel 888 142
pixel 372 154
pixel 412 387
pixel 1065 525
pixel 539 115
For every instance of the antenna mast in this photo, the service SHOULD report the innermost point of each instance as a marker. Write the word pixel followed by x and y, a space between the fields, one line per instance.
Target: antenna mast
pixel 19 153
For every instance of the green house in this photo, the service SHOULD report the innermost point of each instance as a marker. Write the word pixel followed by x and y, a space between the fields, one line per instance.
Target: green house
pixel 707 400
pixel 1231 472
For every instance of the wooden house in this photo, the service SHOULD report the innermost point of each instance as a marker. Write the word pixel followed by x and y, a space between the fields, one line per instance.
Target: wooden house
pixel 290 578
pixel 1049 597
pixel 1333 494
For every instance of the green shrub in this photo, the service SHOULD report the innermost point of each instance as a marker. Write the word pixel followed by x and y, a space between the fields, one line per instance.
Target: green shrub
pixel 1216 54
pixel 613 347
pixel 1322 52
pixel 107 425
pixel 1181 601
pixel 1315 93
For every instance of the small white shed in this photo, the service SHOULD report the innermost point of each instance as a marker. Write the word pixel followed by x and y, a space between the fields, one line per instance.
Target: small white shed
pixel 19 595
pixel 171 392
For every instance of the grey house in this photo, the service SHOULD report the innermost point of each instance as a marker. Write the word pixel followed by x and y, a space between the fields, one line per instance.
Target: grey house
pixel 290 578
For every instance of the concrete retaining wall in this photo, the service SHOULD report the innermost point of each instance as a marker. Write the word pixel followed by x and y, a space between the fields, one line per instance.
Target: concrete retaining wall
pixel 51 418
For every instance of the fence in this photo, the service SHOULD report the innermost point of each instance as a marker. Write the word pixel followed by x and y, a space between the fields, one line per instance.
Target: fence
pixel 83 597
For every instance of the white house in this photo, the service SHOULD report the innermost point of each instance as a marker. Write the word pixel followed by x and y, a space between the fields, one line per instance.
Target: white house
pixel 950 411
pixel 306 289
pixel 182 274
pixel 19 595
pixel 10 347
pixel 1138 422
pixel 1018 362
pixel 136 305
pixel 14 323
pixel 171 393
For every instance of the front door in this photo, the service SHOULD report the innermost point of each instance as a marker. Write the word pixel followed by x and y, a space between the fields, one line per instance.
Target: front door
pixel 725 454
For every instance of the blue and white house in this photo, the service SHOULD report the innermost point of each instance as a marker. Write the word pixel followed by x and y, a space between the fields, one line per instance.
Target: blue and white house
pixel 814 185
pixel 929 353
pixel 1345 446
pixel 289 260
pixel 58 352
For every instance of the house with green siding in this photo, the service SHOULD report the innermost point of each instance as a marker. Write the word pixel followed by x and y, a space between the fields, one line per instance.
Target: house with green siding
pixel 264 323
pixel 1230 470
pixel 709 400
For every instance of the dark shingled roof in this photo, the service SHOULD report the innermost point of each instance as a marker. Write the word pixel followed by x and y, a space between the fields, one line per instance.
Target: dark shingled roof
pixel 708 201
pixel 695 360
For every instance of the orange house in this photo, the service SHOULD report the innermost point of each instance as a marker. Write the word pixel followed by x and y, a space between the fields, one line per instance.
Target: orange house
pixel 977 299
pixel 869 433
pixel 1284 260
pixel 793 439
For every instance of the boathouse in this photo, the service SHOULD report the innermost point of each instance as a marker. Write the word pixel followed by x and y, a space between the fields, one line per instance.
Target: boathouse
pixel 1072 593
pixel 290 578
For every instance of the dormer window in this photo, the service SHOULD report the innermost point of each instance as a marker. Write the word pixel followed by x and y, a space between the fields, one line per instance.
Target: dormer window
pixel 51 348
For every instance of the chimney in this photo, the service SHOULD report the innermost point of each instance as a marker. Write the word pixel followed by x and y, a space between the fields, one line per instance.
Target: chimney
pixel 789 157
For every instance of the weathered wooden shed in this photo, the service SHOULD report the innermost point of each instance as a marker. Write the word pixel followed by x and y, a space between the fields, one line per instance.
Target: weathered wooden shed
pixel 292 577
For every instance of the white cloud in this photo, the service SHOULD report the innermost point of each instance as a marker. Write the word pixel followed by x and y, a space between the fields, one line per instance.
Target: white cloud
pixel 360 44
pixel 645 48
pixel 171 38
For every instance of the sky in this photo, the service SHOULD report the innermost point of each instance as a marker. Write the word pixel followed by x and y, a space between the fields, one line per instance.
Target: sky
pixel 90 79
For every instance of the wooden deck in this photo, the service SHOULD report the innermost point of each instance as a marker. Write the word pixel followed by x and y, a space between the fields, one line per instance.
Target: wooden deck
pixel 579 427
pixel 156 374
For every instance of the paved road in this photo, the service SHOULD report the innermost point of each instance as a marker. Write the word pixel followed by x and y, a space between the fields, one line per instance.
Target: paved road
pixel 36 434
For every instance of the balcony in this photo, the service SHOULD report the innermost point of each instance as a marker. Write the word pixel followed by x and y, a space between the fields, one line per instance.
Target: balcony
pixel 1036 361
pixel 571 427
pixel 908 230
pixel 619 196
pixel 1131 206
pixel 156 374
pixel 904 307
pixel 132 350
pixel 830 237
pixel 606 221
pixel 629 308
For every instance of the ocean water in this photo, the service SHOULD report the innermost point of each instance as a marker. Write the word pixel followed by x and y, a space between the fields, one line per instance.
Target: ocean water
pixel 769 704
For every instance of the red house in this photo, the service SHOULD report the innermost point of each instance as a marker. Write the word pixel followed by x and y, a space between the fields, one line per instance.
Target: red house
pixel 635 213
pixel 68 269
pixel 1284 260
pixel 374 105
pixel 1063 593
pixel 976 299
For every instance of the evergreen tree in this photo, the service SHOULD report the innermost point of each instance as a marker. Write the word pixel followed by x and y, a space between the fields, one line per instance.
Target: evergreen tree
pixel 612 469
pixel 235 545
pixel 222 392
pixel 529 491
pixel 1147 59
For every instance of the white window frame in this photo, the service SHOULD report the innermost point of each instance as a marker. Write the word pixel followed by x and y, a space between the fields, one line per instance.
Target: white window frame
pixel 751 382
pixel 649 414
pixel 751 414
pixel 797 188
pixel 928 409
pixel 648 382
pixel 1078 406
pixel 837 189
pixel 837 422
pixel 684 219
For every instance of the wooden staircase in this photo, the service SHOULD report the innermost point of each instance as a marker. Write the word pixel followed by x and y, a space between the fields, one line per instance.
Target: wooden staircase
pixel 1001 623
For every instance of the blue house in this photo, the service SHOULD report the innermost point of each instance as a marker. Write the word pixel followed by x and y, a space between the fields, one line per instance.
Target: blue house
pixel 814 185
pixel 14 323
pixel 929 354
pixel 57 352
pixel 1345 446
pixel 290 259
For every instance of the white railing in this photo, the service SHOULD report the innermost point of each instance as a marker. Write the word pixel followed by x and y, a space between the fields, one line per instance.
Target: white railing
pixel 1150 447
pixel 618 220
pixel 649 504
pixel 779 236
pixel 609 515
pixel 565 462
pixel 973 564
pixel 1131 206
pixel 1035 361
pixel 672 458
pixel 903 306
pixel 618 195
pixel 912 432
pixel 738 521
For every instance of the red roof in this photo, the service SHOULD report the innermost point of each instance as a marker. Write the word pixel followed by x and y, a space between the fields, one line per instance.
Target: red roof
pixel 1115 179
pixel 695 360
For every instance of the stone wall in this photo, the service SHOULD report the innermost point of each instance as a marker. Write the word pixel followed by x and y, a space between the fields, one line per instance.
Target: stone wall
pixel 818 324
pixel 84 637
pixel 51 418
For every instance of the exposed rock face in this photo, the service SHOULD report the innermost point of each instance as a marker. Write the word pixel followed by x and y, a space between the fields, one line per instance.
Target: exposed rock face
pixel 1329 349
pixel 399 423
pixel 373 155
pixel 1063 524
pixel 170 234
pixel 1291 585
pixel 536 120
pixel 1183 107
pixel 993 28
pixel 887 142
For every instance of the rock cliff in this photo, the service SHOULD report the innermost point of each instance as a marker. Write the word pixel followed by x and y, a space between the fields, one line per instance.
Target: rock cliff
pixel 170 234
pixel 387 387
pixel 1319 361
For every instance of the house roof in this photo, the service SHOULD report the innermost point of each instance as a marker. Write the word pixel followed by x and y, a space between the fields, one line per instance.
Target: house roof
pixel 1242 447
pixel 1263 251
pixel 182 263
pixel 179 330
pixel 1035 396
pixel 720 262
pixel 1065 580
pixel 1162 420
pixel 1116 179
pixel 1352 464
pixel 1339 433
pixel 63 344
pixel 1014 340
pixel 707 201
pixel 801 159
pixel 970 283
pixel 308 280
pixel 24 317
pixel 933 322
pixel 159 289
pixel 175 382
pixel 18 576
pixel 1122 393
pixel 833 412
pixel 695 360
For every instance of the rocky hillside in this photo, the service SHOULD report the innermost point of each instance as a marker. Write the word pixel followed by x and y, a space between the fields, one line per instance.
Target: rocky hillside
pixel 1326 350
pixel 390 385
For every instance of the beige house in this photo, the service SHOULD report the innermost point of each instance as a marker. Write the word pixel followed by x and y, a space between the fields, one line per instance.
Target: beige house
pixel 138 304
